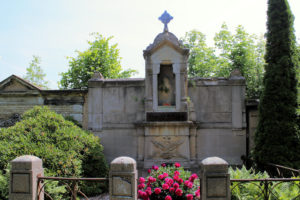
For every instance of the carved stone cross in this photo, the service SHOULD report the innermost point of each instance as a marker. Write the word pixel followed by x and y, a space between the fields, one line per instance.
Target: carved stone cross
pixel 165 18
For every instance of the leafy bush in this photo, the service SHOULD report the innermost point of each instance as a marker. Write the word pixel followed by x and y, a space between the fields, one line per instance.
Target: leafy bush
pixel 252 191
pixel 247 191
pixel 169 182
pixel 66 150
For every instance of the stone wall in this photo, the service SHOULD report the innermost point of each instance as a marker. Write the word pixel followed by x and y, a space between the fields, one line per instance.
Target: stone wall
pixel 65 102
pixel 220 117
pixel 114 107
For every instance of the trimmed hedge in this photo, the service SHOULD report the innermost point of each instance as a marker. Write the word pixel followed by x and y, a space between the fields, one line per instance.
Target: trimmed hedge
pixel 66 149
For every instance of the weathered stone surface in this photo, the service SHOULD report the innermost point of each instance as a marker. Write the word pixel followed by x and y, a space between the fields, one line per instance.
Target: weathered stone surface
pixel 123 164
pixel 23 182
pixel 121 186
pixel 215 181
pixel 123 179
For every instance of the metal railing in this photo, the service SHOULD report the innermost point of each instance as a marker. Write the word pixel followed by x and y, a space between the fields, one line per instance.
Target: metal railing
pixel 72 185
pixel 283 171
pixel 265 189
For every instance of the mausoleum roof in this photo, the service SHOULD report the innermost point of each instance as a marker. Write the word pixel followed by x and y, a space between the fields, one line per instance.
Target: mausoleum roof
pixel 166 35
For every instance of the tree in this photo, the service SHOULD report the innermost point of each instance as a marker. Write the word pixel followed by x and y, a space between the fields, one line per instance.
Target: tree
pixel 231 51
pixel 245 52
pixel 277 136
pixel 99 57
pixel 202 60
pixel 35 74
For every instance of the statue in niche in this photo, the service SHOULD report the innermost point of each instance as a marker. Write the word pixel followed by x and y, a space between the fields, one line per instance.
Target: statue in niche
pixel 166 86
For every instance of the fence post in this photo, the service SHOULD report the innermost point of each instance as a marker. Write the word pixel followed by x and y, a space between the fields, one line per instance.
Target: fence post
pixel 123 179
pixel 23 178
pixel 215 179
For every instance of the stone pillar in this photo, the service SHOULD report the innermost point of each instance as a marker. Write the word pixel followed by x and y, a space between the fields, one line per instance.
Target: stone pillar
pixel 95 104
pixel 193 148
pixel 23 178
pixel 215 179
pixel 155 70
pixel 123 179
pixel 176 71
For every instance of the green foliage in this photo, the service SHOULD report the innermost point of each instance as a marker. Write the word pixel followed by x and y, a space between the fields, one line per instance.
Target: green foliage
pixel 249 191
pixel 277 138
pixel 66 150
pixel 99 57
pixel 202 61
pixel 35 74
pixel 253 190
pixel 4 178
pixel 238 50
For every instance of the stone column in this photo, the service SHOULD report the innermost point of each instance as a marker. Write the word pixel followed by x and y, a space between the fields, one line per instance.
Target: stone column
pixel 215 180
pixel 176 71
pixel 155 70
pixel 23 178
pixel 193 147
pixel 95 104
pixel 123 179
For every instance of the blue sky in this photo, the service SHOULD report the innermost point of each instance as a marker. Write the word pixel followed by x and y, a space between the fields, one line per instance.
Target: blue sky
pixel 54 29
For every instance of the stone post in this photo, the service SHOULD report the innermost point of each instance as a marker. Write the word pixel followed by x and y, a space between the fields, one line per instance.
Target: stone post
pixel 215 179
pixel 23 178
pixel 123 179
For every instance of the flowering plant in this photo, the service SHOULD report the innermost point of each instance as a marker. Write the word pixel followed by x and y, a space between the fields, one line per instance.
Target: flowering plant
pixel 169 182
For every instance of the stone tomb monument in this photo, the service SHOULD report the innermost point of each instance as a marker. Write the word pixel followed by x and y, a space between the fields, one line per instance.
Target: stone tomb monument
pixel 165 117
pixel 167 128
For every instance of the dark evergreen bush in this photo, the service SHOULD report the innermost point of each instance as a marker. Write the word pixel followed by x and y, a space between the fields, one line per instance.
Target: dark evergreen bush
pixel 277 136
pixel 66 149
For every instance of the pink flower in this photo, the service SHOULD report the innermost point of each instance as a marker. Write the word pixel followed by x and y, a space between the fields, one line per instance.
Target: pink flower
pixel 177 165
pixel 168 197
pixel 176 178
pixel 141 186
pixel 193 177
pixel 180 181
pixel 188 184
pixel 165 174
pixel 148 191
pixel 163 164
pixel 178 192
pixel 177 173
pixel 161 177
pixel 142 194
pixel 149 171
pixel 142 180
pixel 197 193
pixel 169 181
pixel 189 197
pixel 151 179
pixel 165 186
pixel 176 185
pixel 157 190
pixel 172 189
pixel 155 167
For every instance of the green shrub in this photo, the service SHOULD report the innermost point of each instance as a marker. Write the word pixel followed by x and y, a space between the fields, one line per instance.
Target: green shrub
pixel 252 190
pixel 66 150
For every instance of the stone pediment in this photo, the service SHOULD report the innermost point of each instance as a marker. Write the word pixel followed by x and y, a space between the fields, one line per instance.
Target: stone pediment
pixel 15 83
pixel 166 38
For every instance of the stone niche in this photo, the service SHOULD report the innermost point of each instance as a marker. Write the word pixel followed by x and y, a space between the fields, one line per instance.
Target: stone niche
pixel 166 135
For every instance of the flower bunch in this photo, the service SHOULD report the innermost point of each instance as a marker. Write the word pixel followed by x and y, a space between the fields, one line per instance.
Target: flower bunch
pixel 169 182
